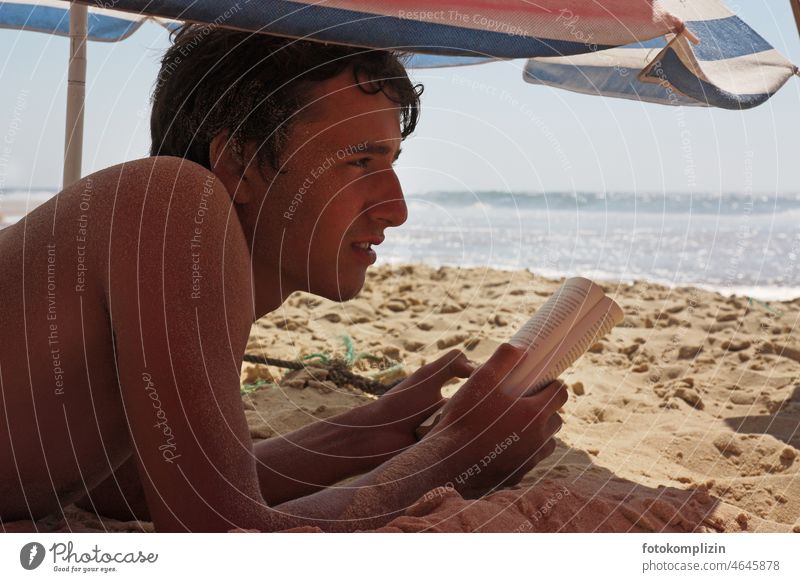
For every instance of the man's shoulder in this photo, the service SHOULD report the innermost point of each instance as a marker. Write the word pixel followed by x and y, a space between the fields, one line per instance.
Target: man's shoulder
pixel 172 217
pixel 166 166
pixel 171 196
pixel 154 187
pixel 165 174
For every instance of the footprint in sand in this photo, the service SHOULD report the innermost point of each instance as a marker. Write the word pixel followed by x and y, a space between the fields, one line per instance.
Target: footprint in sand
pixel 734 346
pixel 687 352
pixel 451 340
pixel 449 308
pixel 396 305
pixel 728 446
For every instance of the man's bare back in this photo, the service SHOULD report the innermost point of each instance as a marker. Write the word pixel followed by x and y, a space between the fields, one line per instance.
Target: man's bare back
pixel 61 394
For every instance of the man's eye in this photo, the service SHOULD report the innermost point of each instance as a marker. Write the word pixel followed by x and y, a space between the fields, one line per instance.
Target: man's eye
pixel 361 162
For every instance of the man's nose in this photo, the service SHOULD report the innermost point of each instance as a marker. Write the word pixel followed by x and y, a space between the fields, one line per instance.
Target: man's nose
pixel 389 205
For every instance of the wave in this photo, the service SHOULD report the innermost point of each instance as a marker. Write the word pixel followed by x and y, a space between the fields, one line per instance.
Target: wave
pixel 728 203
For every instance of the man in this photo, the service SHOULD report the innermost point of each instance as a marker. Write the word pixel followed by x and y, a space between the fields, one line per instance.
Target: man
pixel 128 300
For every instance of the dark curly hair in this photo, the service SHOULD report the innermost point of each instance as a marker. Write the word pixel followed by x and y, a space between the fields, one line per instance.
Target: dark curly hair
pixel 212 79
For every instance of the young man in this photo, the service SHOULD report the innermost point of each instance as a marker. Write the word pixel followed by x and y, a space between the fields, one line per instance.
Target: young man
pixel 127 302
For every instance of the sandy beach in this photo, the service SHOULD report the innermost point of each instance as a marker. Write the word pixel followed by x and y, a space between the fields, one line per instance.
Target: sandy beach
pixel 685 418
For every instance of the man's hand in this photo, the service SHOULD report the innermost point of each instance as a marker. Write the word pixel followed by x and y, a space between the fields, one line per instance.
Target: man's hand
pixel 474 424
pixel 496 438
pixel 320 454
pixel 397 414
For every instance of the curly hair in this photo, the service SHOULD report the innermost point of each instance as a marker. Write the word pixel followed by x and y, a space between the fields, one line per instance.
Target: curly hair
pixel 253 85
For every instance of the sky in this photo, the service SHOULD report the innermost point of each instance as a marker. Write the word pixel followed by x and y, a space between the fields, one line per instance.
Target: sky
pixel 471 135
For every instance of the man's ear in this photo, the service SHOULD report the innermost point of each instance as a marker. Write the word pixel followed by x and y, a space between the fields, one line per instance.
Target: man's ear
pixel 229 168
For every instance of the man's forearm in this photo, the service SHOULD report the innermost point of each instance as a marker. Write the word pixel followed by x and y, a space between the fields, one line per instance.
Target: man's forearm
pixel 311 458
pixel 377 497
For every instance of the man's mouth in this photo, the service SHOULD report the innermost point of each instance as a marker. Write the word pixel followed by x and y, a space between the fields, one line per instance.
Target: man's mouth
pixel 364 251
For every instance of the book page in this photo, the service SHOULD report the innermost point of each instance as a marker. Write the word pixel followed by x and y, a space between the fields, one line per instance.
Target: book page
pixel 552 321
pixel 595 324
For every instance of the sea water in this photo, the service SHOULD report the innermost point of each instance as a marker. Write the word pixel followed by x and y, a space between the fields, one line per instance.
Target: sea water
pixel 734 243
pixel 17 202
pixel 738 243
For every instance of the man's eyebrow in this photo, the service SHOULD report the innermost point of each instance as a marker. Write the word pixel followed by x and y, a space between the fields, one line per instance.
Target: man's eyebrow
pixel 373 148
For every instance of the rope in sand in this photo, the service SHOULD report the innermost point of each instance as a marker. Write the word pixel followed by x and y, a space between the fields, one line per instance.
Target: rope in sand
pixel 337 373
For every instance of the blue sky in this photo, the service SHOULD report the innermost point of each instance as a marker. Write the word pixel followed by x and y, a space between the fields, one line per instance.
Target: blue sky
pixel 468 138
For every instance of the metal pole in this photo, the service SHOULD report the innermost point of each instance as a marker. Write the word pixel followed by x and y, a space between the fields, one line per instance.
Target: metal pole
pixel 796 9
pixel 76 93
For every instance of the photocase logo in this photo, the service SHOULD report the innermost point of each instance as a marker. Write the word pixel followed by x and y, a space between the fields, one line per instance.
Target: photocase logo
pixel 31 555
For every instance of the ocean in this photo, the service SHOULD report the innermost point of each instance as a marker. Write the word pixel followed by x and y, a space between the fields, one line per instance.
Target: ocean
pixel 745 244
pixel 734 243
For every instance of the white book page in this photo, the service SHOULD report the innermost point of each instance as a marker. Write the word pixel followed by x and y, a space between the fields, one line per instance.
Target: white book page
pixel 552 321
pixel 596 323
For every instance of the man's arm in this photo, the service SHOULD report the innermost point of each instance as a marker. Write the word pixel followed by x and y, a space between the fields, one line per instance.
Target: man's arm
pixel 318 455
pixel 461 452
pixel 311 458
pixel 315 456
pixel 179 293
pixel 379 496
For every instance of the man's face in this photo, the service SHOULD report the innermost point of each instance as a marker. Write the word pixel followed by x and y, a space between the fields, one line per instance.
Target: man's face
pixel 337 193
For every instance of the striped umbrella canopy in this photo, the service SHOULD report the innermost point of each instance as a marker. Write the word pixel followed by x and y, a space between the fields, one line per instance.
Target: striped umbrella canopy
pixel 672 52
pixel 732 67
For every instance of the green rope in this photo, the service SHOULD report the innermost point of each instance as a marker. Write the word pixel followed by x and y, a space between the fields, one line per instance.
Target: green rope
pixel 337 373
pixel 322 356
pixel 338 370
pixel 349 350
pixel 250 387
pixel 351 356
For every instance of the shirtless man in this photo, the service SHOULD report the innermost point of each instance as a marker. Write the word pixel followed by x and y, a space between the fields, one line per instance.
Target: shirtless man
pixel 127 302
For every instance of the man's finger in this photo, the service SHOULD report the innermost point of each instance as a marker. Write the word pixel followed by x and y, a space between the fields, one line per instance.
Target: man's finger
pixel 431 377
pixel 496 370
pixel 463 367
pixel 536 457
pixel 454 364
pixel 554 424
pixel 551 398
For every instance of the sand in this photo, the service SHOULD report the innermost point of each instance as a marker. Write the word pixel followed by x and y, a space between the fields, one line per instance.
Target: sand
pixel 685 418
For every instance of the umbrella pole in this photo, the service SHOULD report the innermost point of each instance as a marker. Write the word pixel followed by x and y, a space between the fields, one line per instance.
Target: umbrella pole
pixel 76 90
pixel 796 10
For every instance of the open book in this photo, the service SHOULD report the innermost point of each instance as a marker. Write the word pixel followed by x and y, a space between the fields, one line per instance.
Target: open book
pixel 575 317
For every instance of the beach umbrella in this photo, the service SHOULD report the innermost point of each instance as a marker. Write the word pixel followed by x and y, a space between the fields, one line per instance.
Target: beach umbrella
pixel 732 68
pixel 664 51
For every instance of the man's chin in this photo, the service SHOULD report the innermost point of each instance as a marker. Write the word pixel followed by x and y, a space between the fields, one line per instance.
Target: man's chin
pixel 345 291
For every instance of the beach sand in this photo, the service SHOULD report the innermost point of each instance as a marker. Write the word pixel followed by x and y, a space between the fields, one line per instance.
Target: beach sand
pixel 685 418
